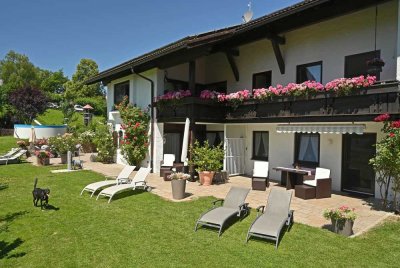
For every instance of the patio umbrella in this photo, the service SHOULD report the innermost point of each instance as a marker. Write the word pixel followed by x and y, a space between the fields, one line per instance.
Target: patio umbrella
pixel 185 141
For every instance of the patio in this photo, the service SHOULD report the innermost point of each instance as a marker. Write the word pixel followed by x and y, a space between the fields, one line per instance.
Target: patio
pixel 306 211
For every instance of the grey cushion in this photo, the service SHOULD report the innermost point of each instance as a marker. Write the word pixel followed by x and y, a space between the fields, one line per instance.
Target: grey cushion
pixel 218 215
pixel 268 224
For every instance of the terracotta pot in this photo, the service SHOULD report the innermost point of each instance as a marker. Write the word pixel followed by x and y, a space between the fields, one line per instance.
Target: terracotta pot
pixel 343 227
pixel 178 189
pixel 206 177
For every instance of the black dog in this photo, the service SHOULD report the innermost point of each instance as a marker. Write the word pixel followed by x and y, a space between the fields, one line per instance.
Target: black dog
pixel 40 194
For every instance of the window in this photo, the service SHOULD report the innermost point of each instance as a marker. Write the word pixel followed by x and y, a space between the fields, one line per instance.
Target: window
pixel 310 71
pixel 262 80
pixel 214 138
pixel 218 86
pixel 356 65
pixel 260 145
pixel 307 149
pixel 120 91
pixel 175 85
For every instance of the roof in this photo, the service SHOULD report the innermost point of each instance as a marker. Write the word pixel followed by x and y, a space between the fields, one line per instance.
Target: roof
pixel 207 39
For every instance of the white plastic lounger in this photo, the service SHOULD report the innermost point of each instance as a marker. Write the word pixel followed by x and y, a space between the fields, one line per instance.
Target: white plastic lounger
pixel 11 153
pixel 14 159
pixel 137 182
pixel 122 177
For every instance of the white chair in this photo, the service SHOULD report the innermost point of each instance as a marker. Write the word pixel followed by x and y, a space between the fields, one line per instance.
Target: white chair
pixel 259 179
pixel 168 160
pixel 139 181
pixel 122 177
pixel 321 181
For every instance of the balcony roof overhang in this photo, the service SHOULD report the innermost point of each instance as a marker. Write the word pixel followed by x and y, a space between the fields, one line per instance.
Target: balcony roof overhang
pixel 269 26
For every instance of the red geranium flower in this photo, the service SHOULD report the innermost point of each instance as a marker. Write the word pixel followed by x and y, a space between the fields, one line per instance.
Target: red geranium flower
pixel 382 117
pixel 392 134
pixel 395 124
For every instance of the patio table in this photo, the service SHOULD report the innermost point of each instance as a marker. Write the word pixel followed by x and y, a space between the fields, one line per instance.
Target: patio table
pixel 292 176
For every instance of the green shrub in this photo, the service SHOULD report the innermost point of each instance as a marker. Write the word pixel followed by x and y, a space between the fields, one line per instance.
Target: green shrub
pixel 104 143
pixel 206 157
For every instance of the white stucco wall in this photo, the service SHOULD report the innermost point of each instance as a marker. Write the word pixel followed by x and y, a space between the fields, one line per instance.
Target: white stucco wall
pixel 329 41
pixel 281 149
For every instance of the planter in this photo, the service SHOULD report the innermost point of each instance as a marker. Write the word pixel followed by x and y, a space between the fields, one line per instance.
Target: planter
pixel 178 189
pixel 43 161
pixel 343 227
pixel 64 158
pixel 206 177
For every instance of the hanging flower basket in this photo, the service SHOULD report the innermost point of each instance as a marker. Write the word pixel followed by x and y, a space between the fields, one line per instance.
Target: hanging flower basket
pixel 375 65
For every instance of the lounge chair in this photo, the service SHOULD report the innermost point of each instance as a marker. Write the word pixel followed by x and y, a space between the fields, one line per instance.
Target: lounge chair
pixel 321 181
pixel 11 153
pixel 233 205
pixel 277 213
pixel 13 159
pixel 122 177
pixel 137 182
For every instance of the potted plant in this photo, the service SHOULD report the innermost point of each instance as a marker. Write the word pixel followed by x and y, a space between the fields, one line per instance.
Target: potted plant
pixel 178 184
pixel 342 219
pixel 63 144
pixel 207 160
pixel 43 157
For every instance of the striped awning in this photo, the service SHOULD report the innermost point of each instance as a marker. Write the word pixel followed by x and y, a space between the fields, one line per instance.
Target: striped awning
pixel 321 128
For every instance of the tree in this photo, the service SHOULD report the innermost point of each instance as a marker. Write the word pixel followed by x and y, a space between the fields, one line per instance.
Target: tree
pixel 52 82
pixel 76 88
pixel 28 103
pixel 17 71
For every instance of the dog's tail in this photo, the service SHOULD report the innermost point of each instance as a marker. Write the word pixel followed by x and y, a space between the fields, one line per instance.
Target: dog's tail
pixel 34 186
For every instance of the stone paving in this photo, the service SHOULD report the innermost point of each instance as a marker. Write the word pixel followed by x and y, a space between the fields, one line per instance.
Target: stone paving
pixel 306 211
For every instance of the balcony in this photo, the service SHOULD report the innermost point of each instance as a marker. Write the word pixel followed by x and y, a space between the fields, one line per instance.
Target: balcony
pixel 363 106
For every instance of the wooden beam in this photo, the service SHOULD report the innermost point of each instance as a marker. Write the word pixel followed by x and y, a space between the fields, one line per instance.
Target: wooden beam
pixel 274 37
pixel 233 65
pixel 278 56
pixel 192 77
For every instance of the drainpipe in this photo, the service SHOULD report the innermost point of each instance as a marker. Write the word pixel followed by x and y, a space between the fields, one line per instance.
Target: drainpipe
pixel 152 143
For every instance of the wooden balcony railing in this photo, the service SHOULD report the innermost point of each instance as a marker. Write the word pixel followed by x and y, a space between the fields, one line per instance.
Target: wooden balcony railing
pixel 363 106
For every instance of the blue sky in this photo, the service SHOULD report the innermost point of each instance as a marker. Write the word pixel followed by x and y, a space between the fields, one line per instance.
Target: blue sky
pixel 56 34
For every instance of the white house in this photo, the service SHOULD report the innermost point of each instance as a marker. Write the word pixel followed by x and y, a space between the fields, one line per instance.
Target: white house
pixel 313 40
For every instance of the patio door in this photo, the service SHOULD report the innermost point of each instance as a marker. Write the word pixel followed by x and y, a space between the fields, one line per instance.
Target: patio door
pixel 234 156
pixel 173 145
pixel 358 175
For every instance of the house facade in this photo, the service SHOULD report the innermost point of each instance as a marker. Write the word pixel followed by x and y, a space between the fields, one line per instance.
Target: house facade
pixel 312 40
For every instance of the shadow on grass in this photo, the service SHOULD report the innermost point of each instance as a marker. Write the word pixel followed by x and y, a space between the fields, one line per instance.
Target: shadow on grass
pixel 123 195
pixel 3 186
pixel 6 248
pixel 51 207
pixel 7 219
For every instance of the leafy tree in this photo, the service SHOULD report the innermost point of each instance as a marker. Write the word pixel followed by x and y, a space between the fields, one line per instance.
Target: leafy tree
pixel 17 71
pixel 28 103
pixel 52 82
pixel 76 88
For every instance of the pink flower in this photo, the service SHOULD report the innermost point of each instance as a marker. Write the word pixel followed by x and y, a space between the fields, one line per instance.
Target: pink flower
pixel 391 134
pixel 395 124
pixel 382 117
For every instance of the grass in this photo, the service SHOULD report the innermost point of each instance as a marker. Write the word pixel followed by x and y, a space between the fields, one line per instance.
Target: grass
pixel 6 143
pixel 56 117
pixel 141 229
pixel 51 117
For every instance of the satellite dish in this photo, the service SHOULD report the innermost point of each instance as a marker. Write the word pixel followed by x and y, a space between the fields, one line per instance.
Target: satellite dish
pixel 248 15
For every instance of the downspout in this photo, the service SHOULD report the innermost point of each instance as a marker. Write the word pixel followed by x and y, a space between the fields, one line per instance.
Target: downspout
pixel 152 142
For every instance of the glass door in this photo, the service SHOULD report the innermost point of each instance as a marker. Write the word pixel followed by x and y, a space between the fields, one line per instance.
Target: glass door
pixel 358 175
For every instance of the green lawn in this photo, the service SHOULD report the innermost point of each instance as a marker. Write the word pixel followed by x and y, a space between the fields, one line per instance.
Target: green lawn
pixel 141 229
pixel 6 143
pixel 51 117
